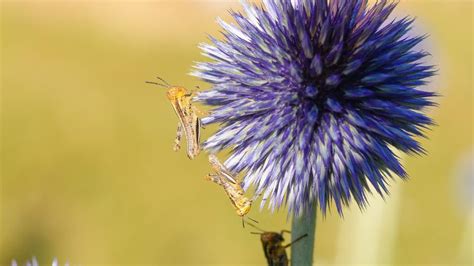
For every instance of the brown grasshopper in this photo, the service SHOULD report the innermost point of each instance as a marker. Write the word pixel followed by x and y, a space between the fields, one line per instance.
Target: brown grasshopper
pixel 272 242
pixel 224 178
pixel 189 122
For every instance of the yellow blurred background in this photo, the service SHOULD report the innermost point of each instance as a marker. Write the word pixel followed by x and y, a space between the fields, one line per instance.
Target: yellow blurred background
pixel 89 175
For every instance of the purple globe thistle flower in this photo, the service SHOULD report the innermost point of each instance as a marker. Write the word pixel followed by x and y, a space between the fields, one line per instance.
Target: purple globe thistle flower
pixel 311 97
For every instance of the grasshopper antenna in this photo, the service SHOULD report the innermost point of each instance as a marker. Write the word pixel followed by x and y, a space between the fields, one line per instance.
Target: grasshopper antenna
pixel 158 84
pixel 253 220
pixel 256 227
pixel 255 233
pixel 167 84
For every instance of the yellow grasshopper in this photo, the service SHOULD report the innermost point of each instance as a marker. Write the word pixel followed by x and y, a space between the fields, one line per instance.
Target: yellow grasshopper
pixel 189 122
pixel 224 178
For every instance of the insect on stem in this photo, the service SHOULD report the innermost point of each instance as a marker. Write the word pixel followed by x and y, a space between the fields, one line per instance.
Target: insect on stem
pixel 272 242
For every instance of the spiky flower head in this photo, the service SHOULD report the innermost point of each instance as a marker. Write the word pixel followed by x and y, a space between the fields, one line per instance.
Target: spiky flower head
pixel 312 96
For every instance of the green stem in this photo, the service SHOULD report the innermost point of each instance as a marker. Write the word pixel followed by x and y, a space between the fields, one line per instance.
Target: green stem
pixel 302 250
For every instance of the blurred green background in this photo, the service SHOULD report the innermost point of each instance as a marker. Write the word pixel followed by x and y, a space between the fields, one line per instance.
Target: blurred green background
pixel 89 175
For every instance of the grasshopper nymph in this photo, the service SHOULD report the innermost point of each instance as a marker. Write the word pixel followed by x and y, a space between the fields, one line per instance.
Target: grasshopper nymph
pixel 189 122
pixel 272 242
pixel 224 178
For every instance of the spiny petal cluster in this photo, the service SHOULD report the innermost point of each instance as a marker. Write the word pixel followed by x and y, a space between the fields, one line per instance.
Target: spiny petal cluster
pixel 313 97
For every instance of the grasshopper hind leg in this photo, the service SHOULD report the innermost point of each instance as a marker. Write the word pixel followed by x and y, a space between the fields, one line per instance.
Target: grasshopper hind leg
pixel 179 135
pixel 214 178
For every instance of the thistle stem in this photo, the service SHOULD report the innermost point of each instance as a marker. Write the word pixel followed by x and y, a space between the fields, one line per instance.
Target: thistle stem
pixel 302 250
